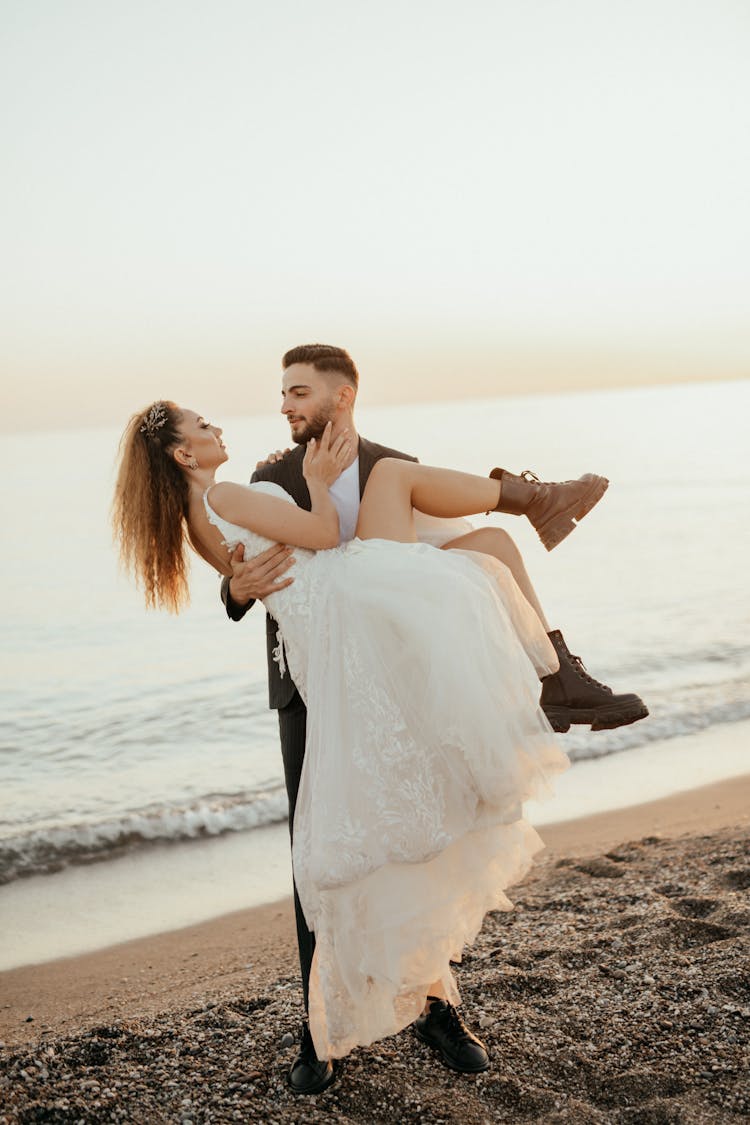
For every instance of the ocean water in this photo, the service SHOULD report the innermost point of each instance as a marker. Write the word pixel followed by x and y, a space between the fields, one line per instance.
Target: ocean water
pixel 122 729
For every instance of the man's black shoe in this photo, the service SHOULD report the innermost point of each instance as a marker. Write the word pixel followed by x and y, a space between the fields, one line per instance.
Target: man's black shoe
pixel 444 1029
pixel 573 696
pixel 308 1074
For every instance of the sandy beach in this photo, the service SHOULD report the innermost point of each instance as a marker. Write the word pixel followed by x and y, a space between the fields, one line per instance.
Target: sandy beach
pixel 616 991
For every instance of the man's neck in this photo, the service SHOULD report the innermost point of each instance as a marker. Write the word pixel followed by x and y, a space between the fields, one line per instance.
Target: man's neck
pixel 353 438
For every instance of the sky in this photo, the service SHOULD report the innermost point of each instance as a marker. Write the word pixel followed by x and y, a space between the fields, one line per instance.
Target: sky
pixel 471 197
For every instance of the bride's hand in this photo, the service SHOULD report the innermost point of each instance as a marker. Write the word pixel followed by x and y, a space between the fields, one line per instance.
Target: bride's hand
pixel 325 460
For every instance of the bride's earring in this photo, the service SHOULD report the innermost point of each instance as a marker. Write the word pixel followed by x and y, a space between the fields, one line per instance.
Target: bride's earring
pixel 192 464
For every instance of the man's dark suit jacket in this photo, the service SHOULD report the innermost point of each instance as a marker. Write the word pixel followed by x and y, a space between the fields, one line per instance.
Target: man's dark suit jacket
pixel 288 473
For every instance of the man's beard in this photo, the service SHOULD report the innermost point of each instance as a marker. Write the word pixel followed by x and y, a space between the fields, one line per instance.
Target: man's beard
pixel 313 428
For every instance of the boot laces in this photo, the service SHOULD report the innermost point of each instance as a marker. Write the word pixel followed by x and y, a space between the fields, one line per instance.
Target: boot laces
pixel 580 667
pixel 532 478
pixel 455 1028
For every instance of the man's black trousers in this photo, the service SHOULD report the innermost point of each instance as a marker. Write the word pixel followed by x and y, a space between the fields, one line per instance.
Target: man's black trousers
pixel 292 727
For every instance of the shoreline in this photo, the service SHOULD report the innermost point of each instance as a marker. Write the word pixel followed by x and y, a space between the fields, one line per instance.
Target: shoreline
pixel 88 907
pixel 250 949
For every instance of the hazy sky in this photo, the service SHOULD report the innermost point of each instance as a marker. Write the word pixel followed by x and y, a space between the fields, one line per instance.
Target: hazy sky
pixel 495 191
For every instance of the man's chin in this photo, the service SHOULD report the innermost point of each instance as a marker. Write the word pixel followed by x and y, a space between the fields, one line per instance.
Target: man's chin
pixel 301 437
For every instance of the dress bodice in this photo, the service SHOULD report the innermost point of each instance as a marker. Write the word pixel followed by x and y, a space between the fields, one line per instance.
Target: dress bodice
pixel 234 533
pixel 290 606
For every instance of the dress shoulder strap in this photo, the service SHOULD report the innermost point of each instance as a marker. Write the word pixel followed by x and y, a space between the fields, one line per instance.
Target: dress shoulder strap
pixel 213 517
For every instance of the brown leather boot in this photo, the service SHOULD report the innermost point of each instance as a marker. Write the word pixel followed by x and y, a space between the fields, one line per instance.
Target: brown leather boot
pixel 553 509
pixel 573 696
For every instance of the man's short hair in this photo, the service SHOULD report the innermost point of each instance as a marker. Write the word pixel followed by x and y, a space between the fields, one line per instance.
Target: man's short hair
pixel 324 357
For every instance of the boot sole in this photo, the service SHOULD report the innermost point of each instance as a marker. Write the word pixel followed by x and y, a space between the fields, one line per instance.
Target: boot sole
pixel 562 718
pixel 560 526
pixel 437 1047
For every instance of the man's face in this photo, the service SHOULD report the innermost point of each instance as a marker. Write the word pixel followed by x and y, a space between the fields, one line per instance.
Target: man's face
pixel 309 401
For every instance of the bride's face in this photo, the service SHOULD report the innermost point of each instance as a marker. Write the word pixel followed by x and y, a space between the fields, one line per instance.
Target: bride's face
pixel 203 440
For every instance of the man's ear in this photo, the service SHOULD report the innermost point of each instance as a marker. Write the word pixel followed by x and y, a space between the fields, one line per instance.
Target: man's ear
pixel 347 395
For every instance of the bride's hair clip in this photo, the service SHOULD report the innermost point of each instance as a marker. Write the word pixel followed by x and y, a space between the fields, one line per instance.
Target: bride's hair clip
pixel 155 419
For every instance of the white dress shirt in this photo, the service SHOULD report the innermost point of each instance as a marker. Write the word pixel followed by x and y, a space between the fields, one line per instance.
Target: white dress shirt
pixel 345 495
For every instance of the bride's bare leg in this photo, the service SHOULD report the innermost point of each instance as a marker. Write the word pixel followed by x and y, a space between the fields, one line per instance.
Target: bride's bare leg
pixel 434 992
pixel 396 487
pixel 496 542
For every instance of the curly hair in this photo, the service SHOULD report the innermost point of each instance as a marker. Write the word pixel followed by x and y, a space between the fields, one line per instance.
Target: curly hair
pixel 149 508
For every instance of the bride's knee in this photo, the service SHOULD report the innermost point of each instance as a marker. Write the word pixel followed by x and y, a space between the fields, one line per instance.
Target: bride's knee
pixel 388 469
pixel 499 537
pixel 495 541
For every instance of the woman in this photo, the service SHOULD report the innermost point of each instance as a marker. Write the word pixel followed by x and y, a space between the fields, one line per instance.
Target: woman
pixel 420 672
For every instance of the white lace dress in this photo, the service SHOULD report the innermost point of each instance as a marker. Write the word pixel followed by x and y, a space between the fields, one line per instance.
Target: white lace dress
pixel 419 668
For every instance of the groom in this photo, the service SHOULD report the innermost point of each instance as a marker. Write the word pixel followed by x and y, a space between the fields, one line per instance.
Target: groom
pixel 320 385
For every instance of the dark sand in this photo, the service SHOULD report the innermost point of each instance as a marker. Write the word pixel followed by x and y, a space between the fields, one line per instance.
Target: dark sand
pixel 618 991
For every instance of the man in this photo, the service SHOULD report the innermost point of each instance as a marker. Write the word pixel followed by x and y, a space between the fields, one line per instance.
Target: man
pixel 320 385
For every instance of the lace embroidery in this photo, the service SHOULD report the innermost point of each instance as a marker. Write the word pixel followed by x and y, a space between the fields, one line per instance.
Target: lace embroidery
pixel 278 654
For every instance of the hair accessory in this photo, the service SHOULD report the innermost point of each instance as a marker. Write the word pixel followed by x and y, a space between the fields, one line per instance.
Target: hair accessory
pixel 154 420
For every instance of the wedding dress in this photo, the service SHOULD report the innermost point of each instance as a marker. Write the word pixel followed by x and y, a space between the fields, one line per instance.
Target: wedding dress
pixel 420 671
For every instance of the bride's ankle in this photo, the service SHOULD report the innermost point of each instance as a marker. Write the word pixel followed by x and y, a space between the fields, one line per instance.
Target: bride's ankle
pixel 430 1000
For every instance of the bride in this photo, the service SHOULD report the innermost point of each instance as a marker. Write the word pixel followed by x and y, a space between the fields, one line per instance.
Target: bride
pixel 420 671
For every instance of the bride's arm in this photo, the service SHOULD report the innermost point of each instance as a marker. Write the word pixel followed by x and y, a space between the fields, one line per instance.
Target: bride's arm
pixel 277 519
pixel 281 521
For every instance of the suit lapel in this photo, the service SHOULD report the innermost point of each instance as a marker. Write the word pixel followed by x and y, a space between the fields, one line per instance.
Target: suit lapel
pixel 367 459
pixel 290 475
pixel 293 480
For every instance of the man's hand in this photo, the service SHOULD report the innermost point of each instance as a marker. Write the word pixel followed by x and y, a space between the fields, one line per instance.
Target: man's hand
pixel 260 576
pixel 272 458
